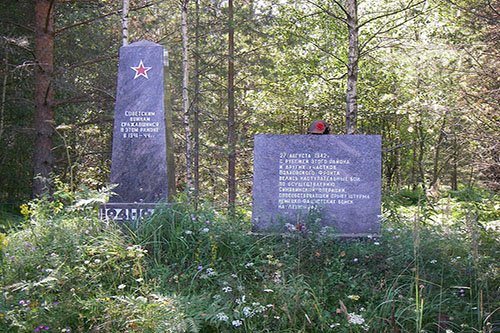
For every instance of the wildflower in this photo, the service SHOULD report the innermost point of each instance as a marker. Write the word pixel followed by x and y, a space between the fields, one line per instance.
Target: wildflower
pixel 355 260
pixel 211 272
pixel 240 301
pixel 55 303
pixel 276 317
pixel 376 243
pixel 234 276
pixel 221 316
pixel 268 290
pixel 356 319
pixel 205 230
pixel 199 268
pixel 247 311
pixel 139 280
pixel 290 227
pixel 433 261
pixel 121 286
pixel 354 297
pixel 227 289
pixel 250 264
pixel 236 323
pixel 21 302
pixel 12 257
pixel 188 232
pixel 28 245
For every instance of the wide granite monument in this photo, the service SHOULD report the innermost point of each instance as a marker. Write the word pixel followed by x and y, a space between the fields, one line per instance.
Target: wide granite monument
pixel 336 176
pixel 139 155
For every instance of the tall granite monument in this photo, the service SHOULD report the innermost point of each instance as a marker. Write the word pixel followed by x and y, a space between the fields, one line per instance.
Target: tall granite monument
pixel 337 176
pixel 139 156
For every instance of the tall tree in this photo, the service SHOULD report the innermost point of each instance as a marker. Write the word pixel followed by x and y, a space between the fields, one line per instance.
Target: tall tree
pixel 44 94
pixel 125 18
pixel 185 95
pixel 352 66
pixel 231 132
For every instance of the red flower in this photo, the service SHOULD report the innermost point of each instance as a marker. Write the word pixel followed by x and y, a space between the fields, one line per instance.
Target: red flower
pixel 320 126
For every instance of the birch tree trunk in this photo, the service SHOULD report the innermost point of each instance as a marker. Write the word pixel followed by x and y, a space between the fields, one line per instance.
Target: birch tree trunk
pixel 185 96
pixel 231 135
pixel 196 107
pixel 44 95
pixel 352 67
pixel 125 22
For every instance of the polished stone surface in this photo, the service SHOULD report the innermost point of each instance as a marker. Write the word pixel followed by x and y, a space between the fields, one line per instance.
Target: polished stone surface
pixel 139 157
pixel 336 176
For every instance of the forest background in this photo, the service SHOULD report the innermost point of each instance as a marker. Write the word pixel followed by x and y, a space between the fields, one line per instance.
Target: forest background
pixel 423 74
pixel 426 77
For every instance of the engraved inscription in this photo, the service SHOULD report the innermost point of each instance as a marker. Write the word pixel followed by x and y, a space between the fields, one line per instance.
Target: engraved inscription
pixel 139 124
pixel 309 181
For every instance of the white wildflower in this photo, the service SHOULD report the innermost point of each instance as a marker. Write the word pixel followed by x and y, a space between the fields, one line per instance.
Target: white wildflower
pixel 433 261
pixel 247 312
pixel 205 230
pixel 268 291
pixel 121 286
pixel 240 301
pixel 188 232
pixel 237 323
pixel 227 289
pixel 221 316
pixel 356 319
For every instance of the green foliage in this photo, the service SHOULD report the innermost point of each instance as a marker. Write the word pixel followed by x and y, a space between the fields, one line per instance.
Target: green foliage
pixel 68 271
pixel 190 268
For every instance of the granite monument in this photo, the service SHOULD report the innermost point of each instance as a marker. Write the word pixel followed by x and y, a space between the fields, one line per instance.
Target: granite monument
pixel 139 155
pixel 337 176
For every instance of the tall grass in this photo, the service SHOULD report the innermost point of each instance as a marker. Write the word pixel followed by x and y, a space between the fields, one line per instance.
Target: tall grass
pixel 433 268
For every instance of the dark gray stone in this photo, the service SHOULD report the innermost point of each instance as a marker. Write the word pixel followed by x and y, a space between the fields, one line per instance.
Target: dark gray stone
pixel 337 176
pixel 139 157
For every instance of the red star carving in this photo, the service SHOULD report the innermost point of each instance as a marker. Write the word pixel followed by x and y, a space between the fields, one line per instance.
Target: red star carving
pixel 141 70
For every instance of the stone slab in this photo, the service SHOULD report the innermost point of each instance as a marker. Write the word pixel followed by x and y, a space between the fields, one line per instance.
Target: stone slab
pixel 139 157
pixel 337 176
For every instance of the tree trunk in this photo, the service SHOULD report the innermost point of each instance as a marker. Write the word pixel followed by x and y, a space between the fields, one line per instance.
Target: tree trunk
pixel 4 93
pixel 185 96
pixel 231 135
pixel 169 128
pixel 44 95
pixel 125 22
pixel 196 107
pixel 352 67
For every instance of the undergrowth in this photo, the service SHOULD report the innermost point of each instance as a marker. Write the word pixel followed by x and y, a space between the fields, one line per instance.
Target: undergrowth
pixel 433 267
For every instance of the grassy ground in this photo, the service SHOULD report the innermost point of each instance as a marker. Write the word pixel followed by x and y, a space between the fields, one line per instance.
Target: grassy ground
pixel 434 267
